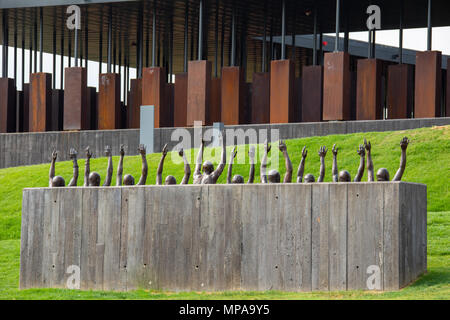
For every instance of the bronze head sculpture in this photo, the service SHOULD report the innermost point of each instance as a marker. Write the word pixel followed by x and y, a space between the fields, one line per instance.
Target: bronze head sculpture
pixel 209 175
pixel 171 179
pixel 309 178
pixel 55 181
pixel 344 175
pixel 94 179
pixel 238 179
pixel 128 179
pixel 90 179
pixel 274 176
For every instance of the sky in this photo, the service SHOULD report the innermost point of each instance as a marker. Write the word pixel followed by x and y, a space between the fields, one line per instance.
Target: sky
pixel 415 39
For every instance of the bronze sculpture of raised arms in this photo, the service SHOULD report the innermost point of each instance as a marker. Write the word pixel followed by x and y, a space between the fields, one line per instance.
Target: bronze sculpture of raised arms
pixel 263 168
pixel 109 170
pixel 362 153
pixel 209 175
pixel 87 168
pixel 288 163
pixel 187 168
pixel 55 181
pixel 161 165
pixel 230 167
pixel 301 167
pixel 120 166
pixel 322 153
pixel 370 173
pixel 334 169
pixel 73 156
pixel 144 171
pixel 251 156
pixel 403 145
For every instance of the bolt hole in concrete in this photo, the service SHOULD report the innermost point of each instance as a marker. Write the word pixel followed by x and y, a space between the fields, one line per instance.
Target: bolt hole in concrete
pixel 145 265
pixel 196 267
pixel 357 195
pixel 198 198
pixel 54 201
pixel 276 197
pixel 276 267
pixel 126 200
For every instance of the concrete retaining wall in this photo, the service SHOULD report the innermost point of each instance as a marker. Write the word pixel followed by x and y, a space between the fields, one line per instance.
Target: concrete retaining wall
pixel 17 149
pixel 291 237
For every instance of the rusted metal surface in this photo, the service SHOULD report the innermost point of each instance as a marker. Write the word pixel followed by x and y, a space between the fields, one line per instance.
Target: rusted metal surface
pixel 428 84
pixel 92 103
pixel 447 108
pixel 24 109
pixel 8 98
pixel 76 115
pixel 400 91
pixel 40 102
pixel 336 86
pixel 134 104
pixel 180 100
pixel 216 100
pixel 57 110
pixel 282 76
pixel 109 101
pixel 260 110
pixel 312 89
pixel 298 92
pixel 166 114
pixel 153 91
pixel 199 90
pixel 368 90
pixel 233 95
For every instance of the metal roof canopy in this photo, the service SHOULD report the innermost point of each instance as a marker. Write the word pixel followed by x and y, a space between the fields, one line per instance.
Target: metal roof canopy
pixel 250 17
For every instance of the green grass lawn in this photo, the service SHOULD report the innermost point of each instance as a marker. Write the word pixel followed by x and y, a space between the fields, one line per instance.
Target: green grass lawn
pixel 428 162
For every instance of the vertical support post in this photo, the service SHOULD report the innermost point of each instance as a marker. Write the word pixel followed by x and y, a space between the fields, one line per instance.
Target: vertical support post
pixel 200 31
pixel 315 38
pixel 41 38
pixel 283 30
pixel 264 44
pixel 233 38
pixel 186 31
pixel 35 40
pixel 15 48
pixel 216 40
pixel 429 28
pixel 108 67
pixel 54 49
pixel 400 34
pixel 61 75
pixel 5 44
pixel 100 42
pixel 154 35
pixel 338 15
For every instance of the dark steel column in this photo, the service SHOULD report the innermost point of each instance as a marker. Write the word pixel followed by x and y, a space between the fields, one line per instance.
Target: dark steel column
pixel 5 44
pixel 233 37
pixel 200 30
pixel 315 38
pixel 54 50
pixel 154 35
pixel 338 13
pixel 23 48
pixel 61 80
pixel 186 31
pixel 429 38
pixel 108 67
pixel 86 39
pixel 41 38
pixel 30 56
pixel 264 43
pixel 35 40
pixel 216 39
pixel 400 35
pixel 373 43
pixel 147 43
pixel 293 31
pixel 283 30
pixel 100 43
pixel 15 47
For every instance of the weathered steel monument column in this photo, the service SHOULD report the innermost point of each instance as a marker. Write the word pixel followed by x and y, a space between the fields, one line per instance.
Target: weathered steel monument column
pixel 76 108
pixel 7 105
pixel 40 103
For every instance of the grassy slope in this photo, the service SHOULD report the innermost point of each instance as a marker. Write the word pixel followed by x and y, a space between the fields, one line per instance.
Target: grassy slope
pixel 428 162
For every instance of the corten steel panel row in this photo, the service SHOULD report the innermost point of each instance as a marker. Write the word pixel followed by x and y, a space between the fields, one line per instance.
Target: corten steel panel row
pixel 427 102
pixel 8 104
pixel 336 86
pixel 154 92
pixel 134 104
pixel 312 91
pixel 215 97
pixel 109 105
pixel 260 98
pixel 233 95
pixel 447 109
pixel 199 92
pixel 180 100
pixel 369 105
pixel 282 77
pixel 124 238
pixel 400 91
pixel 40 104
pixel 58 110
pixel 76 113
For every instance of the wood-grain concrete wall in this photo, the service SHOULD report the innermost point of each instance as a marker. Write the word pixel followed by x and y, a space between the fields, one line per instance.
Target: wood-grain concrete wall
pixel 290 237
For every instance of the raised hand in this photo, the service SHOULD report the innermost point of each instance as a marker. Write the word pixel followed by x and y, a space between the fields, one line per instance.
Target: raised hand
pixel 267 146
pixel 323 152
pixel 367 145
pixel 404 143
pixel 88 153
pixel 181 152
pixel 234 153
pixel 251 153
pixel 361 151
pixel 334 150
pixel 304 152
pixel 54 154
pixel 73 153
pixel 142 150
pixel 122 150
pixel 108 151
pixel 165 150
pixel 282 146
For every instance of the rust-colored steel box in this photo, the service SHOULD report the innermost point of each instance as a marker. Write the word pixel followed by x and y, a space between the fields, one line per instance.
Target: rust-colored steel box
pixel 109 102
pixel 92 102
pixel 260 110
pixel 199 90
pixel 57 110
pixel 427 102
pixel 282 76
pixel 8 98
pixel 180 100
pixel 312 93
pixel 336 86
pixel 40 103
pixel 400 94
pixel 134 104
pixel 369 105
pixel 233 95
pixel 153 92
pixel 76 114
pixel 216 100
